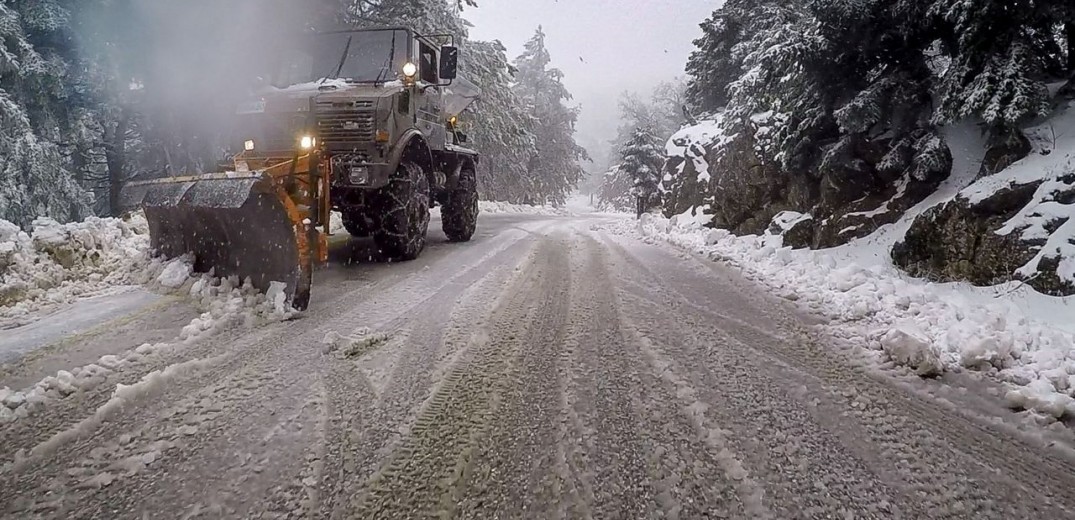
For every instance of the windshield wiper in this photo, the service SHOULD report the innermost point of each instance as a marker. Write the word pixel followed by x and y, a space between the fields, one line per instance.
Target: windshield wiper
pixel 343 59
pixel 383 74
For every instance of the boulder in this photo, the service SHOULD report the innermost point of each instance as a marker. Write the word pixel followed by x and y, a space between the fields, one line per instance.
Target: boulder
pixel 796 228
pixel 1005 147
pixel 958 240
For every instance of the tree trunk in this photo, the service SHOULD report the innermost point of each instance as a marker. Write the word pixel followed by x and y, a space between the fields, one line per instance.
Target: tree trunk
pixel 116 159
pixel 78 164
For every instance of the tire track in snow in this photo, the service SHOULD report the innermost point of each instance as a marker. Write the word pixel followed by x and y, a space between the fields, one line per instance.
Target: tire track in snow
pixel 644 458
pixel 517 464
pixel 412 373
pixel 916 432
pixel 424 473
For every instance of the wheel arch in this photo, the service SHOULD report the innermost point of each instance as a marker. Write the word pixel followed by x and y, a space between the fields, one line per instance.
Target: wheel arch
pixel 412 146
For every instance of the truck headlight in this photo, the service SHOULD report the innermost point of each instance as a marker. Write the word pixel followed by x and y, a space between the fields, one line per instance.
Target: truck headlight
pixel 307 142
pixel 410 69
pixel 249 145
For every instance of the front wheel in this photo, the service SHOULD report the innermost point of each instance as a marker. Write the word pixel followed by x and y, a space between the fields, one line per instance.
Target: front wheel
pixel 403 208
pixel 460 214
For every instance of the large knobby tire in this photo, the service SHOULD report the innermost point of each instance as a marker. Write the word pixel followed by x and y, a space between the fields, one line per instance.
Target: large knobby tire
pixel 460 214
pixel 403 208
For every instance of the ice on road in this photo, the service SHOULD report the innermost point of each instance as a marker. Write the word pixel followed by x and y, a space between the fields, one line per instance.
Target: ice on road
pixel 545 370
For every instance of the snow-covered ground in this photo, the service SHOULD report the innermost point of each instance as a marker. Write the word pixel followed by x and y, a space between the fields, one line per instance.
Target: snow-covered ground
pixel 1019 337
pixel 494 208
pixel 225 304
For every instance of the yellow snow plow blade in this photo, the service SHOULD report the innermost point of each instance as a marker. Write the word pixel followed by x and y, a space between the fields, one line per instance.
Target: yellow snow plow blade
pixel 255 225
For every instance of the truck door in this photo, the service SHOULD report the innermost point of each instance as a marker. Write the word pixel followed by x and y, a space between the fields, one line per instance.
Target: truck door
pixel 430 105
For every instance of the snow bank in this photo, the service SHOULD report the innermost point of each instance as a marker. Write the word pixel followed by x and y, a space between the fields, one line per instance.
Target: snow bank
pixel 498 208
pixel 491 207
pixel 58 263
pixel 928 327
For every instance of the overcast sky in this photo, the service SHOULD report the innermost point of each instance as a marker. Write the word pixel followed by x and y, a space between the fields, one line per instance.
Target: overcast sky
pixel 623 45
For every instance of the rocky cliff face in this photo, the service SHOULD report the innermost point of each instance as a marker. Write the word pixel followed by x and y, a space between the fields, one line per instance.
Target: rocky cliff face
pixel 745 189
pixel 1015 221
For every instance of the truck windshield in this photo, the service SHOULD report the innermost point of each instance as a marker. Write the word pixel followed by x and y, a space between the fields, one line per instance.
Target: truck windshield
pixel 362 57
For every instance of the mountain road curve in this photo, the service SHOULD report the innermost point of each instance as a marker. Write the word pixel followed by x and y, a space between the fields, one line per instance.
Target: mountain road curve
pixel 549 370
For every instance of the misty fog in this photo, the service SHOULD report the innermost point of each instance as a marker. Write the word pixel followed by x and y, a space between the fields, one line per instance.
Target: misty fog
pixel 604 47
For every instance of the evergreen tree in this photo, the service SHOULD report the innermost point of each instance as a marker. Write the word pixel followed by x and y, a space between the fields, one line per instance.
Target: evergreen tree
pixel 554 168
pixel 497 124
pixel 662 113
pixel 998 63
pixel 424 16
pixel 643 158
pixel 34 175
pixel 615 192
pixel 783 98
pixel 712 66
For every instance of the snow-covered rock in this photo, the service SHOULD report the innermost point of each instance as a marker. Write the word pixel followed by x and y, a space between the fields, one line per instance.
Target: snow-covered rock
pixel 175 273
pixel 796 228
pixel 1017 224
pixel 908 346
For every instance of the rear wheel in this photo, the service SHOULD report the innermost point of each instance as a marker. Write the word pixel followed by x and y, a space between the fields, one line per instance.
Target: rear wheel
pixel 460 214
pixel 404 213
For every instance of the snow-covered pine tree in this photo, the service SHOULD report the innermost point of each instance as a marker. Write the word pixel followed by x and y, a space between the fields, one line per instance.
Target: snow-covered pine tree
pixel 424 16
pixel 555 167
pixel 662 113
pixel 643 157
pixel 497 124
pixel 615 192
pixel 882 81
pixel 997 67
pixel 782 98
pixel 713 65
pixel 35 178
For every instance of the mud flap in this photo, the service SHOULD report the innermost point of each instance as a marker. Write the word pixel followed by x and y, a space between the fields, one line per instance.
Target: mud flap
pixel 233 226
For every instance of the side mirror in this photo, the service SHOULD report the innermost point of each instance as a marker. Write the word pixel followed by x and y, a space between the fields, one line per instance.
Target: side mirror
pixel 449 62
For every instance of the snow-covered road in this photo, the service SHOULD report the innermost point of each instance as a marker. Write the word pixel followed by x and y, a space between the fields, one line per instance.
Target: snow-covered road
pixel 546 370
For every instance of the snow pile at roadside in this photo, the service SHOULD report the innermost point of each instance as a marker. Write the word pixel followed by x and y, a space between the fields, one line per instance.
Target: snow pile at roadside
pixel 927 327
pixel 489 207
pixel 226 304
pixel 57 263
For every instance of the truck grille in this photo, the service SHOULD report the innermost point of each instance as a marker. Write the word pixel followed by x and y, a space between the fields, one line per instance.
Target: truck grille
pixel 341 124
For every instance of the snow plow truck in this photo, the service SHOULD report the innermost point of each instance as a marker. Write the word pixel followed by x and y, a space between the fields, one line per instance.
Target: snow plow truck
pixel 361 121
